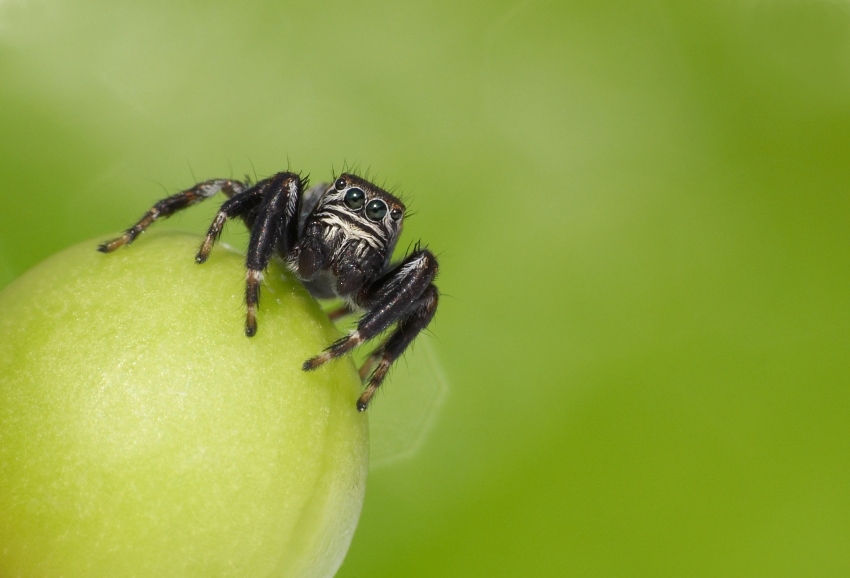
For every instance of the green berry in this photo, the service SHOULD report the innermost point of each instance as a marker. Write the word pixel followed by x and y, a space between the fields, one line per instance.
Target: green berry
pixel 142 434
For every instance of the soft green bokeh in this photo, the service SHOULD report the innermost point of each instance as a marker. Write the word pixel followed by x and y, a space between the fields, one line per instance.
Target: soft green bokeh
pixel 641 211
pixel 142 434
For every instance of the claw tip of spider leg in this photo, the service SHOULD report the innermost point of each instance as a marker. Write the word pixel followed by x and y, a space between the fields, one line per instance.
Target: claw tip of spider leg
pixel 365 399
pixel 251 320
pixel 109 246
pixel 316 362
pixel 200 259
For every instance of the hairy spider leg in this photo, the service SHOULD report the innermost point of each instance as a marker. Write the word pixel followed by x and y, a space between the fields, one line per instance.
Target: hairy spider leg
pixel 237 206
pixel 340 312
pixel 170 205
pixel 389 298
pixel 275 228
pixel 392 298
pixel 427 302
pixel 403 335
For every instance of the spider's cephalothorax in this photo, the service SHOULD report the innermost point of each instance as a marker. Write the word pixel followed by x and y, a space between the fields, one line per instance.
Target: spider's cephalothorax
pixel 338 239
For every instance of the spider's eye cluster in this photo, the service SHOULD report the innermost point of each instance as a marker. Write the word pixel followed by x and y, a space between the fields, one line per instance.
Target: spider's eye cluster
pixel 354 198
pixel 376 209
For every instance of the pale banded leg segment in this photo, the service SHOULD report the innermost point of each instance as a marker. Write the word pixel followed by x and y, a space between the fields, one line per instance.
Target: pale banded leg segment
pixel 253 278
pixel 237 206
pixel 168 206
pixel 337 314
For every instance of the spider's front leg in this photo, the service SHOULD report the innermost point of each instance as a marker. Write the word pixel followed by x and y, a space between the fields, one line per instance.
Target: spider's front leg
pixel 405 295
pixel 275 227
pixel 170 205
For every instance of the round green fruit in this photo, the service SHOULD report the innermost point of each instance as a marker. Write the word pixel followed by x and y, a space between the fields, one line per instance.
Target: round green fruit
pixel 142 434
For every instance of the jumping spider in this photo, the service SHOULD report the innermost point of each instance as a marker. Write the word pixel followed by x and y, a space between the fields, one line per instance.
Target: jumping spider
pixel 338 240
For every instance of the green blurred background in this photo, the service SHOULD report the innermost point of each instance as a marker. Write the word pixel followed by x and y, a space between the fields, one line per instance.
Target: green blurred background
pixel 641 211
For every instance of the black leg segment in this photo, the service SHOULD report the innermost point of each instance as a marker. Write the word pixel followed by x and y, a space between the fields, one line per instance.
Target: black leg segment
pixel 275 228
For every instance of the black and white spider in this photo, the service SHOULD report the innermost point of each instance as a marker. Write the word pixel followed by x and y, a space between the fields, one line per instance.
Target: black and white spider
pixel 338 240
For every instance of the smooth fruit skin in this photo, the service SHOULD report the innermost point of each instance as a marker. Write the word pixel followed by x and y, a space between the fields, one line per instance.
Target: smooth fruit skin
pixel 142 434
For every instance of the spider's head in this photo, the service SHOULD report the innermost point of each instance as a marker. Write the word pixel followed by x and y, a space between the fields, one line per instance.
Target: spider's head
pixel 360 211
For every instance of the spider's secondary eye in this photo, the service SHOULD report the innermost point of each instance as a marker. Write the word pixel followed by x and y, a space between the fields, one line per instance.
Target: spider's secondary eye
pixel 340 184
pixel 376 210
pixel 395 214
pixel 354 198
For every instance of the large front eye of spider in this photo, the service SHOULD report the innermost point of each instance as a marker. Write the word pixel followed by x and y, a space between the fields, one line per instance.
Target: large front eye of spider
pixel 376 209
pixel 354 198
